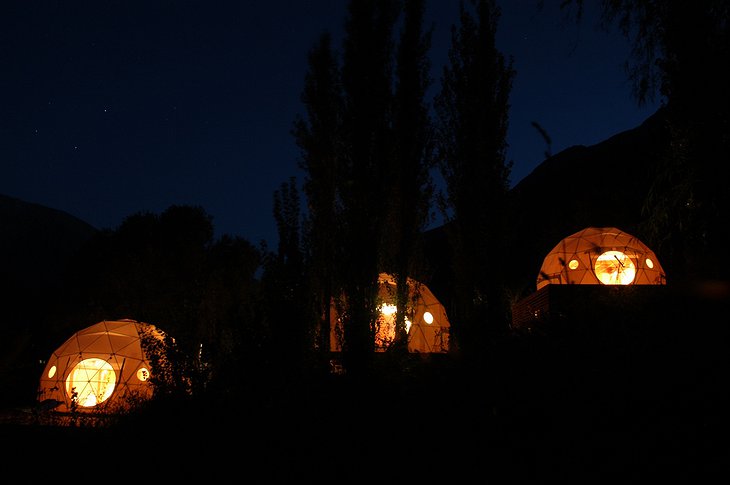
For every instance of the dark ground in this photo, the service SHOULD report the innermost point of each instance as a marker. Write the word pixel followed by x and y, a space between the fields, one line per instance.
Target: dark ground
pixel 626 398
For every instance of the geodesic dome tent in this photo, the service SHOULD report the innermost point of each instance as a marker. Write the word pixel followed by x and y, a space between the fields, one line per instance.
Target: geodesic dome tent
pixel 104 366
pixel 427 324
pixel 601 256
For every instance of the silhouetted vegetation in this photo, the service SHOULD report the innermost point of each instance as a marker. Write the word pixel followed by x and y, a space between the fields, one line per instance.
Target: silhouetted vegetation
pixel 472 109
pixel 366 152
pixel 681 53
pixel 623 384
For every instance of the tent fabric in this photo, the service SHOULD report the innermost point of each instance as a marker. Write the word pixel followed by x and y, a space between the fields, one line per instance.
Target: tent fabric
pixel 601 255
pixel 427 323
pixel 101 366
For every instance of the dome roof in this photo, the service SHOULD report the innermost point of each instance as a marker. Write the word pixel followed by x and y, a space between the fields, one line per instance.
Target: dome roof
pixel 427 324
pixel 106 364
pixel 601 255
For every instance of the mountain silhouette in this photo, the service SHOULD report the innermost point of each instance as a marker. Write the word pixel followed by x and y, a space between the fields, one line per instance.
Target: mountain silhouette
pixel 602 185
pixel 36 243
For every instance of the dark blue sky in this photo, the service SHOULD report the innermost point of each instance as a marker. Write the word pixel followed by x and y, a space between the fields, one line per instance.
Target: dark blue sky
pixel 111 108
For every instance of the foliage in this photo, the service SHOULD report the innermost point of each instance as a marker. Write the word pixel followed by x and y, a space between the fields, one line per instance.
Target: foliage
pixel 681 52
pixel 167 270
pixel 282 286
pixel 472 117
pixel 365 152
pixel 168 374
pixel 318 136
pixel 411 190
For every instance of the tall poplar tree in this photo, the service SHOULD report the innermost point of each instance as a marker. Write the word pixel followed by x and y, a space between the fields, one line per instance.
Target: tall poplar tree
pixel 472 110
pixel 365 145
pixel 411 187
pixel 283 282
pixel 318 136
pixel 368 147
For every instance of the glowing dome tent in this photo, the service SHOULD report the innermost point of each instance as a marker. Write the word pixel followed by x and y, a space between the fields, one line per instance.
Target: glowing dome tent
pixel 601 256
pixel 104 366
pixel 426 321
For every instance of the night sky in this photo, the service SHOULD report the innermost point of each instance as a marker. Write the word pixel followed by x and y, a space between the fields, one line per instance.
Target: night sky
pixel 112 108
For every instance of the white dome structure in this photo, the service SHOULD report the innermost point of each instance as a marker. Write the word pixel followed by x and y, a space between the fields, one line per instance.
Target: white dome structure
pixel 105 366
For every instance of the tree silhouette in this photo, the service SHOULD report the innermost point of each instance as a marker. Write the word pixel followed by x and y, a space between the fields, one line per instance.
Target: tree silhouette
pixel 472 110
pixel 167 270
pixel 283 286
pixel 681 52
pixel 366 144
pixel 411 187
pixel 318 136
pixel 367 81
pixel 233 334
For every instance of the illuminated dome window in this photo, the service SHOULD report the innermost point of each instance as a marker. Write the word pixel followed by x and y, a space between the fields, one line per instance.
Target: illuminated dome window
pixel 600 256
pixel 92 380
pixel 426 323
pixel 101 366
pixel 386 330
pixel 615 268
pixel 143 374
pixel 386 309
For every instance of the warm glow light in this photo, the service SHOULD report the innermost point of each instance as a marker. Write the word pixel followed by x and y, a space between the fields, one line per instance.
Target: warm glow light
pixel 387 323
pixel 143 374
pixel 52 371
pixel 428 318
pixel 386 309
pixel 573 264
pixel 615 268
pixel 93 380
pixel 649 263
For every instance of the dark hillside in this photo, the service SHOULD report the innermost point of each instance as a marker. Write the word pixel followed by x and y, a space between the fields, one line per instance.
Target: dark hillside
pixel 600 185
pixel 603 185
pixel 36 241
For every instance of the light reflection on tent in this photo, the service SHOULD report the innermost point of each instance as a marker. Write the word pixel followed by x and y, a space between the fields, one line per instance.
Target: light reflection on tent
pixel 580 266
pixel 601 255
pixel 427 324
